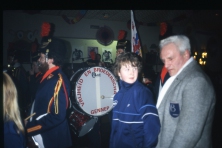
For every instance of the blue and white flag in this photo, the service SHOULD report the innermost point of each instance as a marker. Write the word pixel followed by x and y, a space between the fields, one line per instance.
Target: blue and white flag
pixel 136 47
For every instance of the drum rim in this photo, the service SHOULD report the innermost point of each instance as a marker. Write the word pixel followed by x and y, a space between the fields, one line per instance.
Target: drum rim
pixel 75 96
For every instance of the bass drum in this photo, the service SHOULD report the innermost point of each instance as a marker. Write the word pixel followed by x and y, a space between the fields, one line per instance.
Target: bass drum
pixel 93 90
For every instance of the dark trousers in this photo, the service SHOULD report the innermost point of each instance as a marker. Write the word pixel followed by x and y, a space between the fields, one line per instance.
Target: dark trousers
pixel 95 136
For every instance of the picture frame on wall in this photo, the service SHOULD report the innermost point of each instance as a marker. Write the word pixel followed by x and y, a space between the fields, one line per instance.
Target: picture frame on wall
pixel 92 49
pixel 77 53
pixel 107 55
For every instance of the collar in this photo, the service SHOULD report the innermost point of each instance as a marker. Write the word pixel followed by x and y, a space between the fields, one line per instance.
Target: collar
pixel 188 62
pixel 125 86
pixel 49 72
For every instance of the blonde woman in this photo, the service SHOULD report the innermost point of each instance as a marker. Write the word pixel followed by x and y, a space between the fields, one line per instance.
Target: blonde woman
pixel 13 128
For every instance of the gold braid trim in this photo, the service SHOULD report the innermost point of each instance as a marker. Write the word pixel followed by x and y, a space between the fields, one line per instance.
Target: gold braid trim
pixel 55 96
pixel 50 103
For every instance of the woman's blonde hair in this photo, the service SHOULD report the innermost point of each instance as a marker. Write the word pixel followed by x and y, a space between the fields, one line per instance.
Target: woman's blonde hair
pixel 10 103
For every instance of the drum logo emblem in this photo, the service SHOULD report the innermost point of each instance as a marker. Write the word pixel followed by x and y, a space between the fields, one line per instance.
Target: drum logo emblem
pixel 95 75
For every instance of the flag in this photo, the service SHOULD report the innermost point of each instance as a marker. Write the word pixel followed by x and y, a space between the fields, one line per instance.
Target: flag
pixel 136 47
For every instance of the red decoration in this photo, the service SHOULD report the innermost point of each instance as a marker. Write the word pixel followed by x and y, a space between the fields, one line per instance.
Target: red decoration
pixel 122 34
pixel 92 54
pixel 34 46
pixel 45 29
pixel 163 28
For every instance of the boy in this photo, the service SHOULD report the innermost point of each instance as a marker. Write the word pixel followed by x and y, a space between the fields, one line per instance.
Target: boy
pixel 135 121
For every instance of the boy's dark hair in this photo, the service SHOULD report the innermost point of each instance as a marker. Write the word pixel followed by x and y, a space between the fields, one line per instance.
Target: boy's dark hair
pixel 128 57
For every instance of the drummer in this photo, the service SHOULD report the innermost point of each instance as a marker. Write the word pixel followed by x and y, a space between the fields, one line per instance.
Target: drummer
pixel 98 61
pixel 123 45
pixel 49 126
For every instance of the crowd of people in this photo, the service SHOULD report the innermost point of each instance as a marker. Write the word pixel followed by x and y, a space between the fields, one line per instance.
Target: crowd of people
pixel 177 113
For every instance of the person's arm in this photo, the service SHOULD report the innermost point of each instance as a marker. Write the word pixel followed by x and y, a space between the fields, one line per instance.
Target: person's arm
pixel 151 120
pixel 51 119
pixel 197 104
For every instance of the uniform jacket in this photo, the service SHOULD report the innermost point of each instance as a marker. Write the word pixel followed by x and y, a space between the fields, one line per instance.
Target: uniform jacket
pixel 135 119
pixel 187 109
pixel 11 137
pixel 50 104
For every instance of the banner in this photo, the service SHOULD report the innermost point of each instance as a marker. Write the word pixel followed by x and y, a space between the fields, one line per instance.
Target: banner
pixel 136 47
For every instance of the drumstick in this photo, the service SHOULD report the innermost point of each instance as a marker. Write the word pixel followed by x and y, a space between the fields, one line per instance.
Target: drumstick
pixel 29 116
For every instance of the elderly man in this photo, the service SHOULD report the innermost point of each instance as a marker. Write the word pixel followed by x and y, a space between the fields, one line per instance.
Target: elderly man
pixel 187 100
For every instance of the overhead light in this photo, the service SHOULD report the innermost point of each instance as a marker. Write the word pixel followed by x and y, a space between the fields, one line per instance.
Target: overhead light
pixel 105 15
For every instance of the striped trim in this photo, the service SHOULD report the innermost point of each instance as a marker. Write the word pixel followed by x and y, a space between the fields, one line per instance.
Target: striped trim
pixel 126 113
pixel 128 121
pixel 35 128
pixel 149 114
pixel 148 105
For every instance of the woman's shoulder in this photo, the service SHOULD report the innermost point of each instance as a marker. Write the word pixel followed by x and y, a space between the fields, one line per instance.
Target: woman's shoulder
pixel 11 137
pixel 10 127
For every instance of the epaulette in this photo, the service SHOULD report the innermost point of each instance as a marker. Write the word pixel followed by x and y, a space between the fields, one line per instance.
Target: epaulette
pixel 55 95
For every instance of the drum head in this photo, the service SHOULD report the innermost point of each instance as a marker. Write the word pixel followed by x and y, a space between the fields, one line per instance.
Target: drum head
pixel 87 127
pixel 95 89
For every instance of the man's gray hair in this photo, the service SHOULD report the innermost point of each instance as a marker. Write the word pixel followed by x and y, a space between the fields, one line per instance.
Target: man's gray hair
pixel 181 41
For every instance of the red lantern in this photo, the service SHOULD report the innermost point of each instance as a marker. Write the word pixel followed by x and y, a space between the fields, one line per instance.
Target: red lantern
pixel 163 28
pixel 121 35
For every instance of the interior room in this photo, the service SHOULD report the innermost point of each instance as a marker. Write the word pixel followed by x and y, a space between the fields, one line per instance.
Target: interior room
pixel 99 30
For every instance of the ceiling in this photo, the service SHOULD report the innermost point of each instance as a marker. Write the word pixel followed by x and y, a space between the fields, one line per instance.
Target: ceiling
pixel 205 20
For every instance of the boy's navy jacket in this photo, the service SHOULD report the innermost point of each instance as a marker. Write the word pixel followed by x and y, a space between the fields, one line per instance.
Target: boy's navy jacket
pixel 51 102
pixel 135 121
